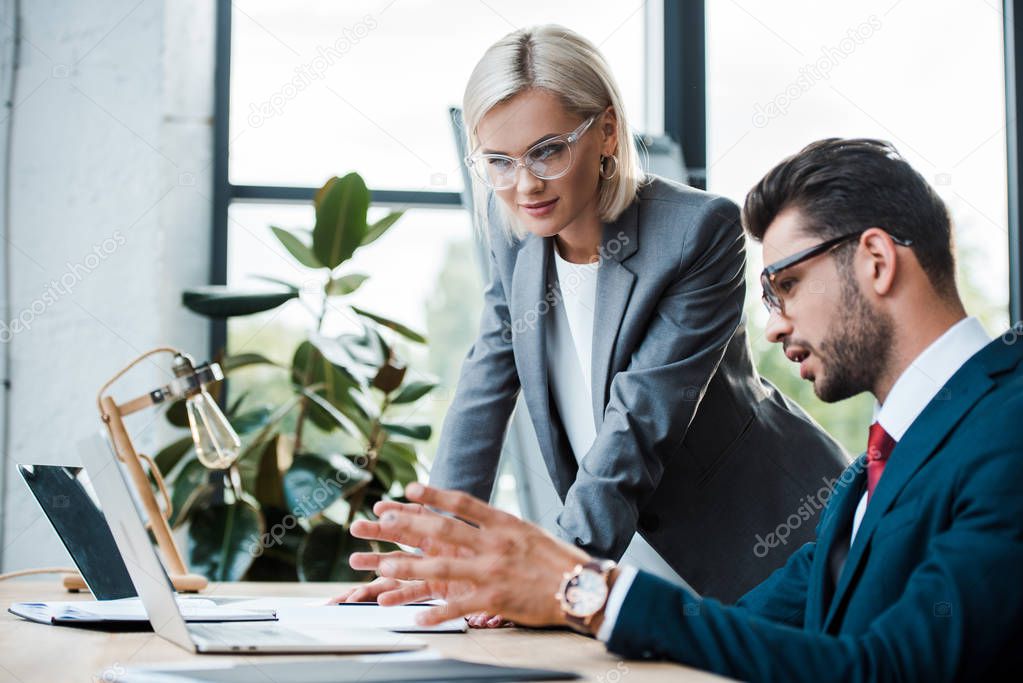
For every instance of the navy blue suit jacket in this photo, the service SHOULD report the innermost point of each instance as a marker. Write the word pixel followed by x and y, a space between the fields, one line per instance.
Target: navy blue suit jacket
pixel 932 589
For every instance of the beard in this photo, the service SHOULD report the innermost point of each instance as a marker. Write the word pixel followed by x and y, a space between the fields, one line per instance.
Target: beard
pixel 857 350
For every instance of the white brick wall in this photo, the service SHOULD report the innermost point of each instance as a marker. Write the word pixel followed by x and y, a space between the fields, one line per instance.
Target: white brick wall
pixel 111 191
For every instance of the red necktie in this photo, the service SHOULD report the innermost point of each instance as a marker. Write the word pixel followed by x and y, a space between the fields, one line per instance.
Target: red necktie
pixel 879 447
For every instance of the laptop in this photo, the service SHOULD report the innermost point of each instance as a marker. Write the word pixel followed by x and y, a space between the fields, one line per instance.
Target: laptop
pixel 157 593
pixel 81 528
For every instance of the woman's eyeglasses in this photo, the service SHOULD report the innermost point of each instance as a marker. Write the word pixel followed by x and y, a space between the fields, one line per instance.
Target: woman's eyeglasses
pixel 771 299
pixel 547 160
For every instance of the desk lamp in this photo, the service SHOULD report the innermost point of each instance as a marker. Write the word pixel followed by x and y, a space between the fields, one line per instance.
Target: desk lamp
pixel 216 445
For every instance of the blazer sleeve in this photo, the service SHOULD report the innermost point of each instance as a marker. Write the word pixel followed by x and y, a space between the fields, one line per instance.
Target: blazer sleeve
pixel 653 401
pixel 470 443
pixel 957 619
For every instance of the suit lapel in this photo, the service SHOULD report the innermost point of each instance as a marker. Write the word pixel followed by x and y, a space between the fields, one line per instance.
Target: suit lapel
pixel 614 288
pixel 918 444
pixel 847 493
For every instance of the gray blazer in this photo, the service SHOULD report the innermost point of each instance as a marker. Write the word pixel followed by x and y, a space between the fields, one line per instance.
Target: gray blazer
pixel 693 449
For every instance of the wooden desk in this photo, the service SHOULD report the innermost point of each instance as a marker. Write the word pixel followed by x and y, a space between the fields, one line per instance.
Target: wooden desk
pixel 31 652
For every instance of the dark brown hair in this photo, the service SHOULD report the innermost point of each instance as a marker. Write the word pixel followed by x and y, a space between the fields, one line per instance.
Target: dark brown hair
pixel 841 185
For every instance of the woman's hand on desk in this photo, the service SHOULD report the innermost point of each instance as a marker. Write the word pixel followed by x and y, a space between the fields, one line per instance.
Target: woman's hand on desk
pixel 396 592
pixel 385 591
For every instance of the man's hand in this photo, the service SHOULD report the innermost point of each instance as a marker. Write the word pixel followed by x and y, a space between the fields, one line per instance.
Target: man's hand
pixel 501 565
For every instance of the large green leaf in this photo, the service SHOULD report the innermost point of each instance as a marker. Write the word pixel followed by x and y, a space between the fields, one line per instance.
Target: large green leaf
pixel 395 471
pixel 346 284
pixel 277 553
pixel 324 554
pixel 381 226
pixel 189 482
pixel 341 207
pixel 176 413
pixel 413 391
pixel 398 451
pixel 297 247
pixel 338 352
pixel 251 420
pixel 223 537
pixel 334 384
pixel 404 331
pixel 314 482
pixel 171 455
pixel 420 432
pixel 242 360
pixel 219 301
pixel 269 487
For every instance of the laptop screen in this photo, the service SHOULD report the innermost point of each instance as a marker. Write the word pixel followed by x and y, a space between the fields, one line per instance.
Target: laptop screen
pixel 81 527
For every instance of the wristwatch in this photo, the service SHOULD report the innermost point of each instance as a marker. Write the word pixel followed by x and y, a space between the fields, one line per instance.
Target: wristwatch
pixel 584 592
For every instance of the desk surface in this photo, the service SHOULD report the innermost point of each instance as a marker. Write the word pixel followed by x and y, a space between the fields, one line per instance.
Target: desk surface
pixel 31 652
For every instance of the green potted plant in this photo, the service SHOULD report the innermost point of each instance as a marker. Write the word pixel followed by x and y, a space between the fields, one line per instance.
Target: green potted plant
pixel 314 462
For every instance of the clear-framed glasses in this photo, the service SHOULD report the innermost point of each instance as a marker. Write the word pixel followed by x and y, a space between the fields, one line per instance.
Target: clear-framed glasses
pixel 772 299
pixel 547 160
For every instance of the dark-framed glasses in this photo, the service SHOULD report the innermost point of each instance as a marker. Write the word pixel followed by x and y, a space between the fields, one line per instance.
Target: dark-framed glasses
pixel 768 276
pixel 547 160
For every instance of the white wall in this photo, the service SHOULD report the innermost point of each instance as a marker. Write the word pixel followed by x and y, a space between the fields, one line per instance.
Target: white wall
pixel 110 191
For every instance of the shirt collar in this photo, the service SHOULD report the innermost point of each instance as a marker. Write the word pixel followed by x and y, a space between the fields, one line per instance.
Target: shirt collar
pixel 927 374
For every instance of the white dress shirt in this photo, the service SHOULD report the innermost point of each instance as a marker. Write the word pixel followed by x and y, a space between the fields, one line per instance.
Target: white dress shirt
pixel 920 383
pixel 569 337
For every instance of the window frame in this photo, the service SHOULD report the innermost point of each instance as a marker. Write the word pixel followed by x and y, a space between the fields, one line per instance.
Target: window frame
pixel 685 120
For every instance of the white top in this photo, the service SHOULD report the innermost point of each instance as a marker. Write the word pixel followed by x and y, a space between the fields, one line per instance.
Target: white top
pixel 910 394
pixel 921 382
pixel 569 350
pixel 569 337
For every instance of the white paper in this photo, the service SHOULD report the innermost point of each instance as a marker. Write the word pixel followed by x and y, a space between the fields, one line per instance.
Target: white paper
pixel 303 611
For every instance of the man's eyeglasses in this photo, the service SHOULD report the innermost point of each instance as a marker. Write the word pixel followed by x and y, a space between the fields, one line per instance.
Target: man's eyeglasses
pixel 547 160
pixel 771 299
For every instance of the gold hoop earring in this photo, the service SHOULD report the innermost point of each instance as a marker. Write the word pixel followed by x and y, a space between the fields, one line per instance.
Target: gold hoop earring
pixel 614 172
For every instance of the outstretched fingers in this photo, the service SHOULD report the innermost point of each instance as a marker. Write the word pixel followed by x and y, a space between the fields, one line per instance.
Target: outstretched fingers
pixel 462 505
pixel 412 591
pixel 370 561
pixel 430 568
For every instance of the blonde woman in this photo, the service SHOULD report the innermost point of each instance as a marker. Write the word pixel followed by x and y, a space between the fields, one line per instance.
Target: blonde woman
pixel 615 307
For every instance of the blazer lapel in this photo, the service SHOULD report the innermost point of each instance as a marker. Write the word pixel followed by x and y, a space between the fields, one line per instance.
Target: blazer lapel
pixel 528 312
pixel 918 444
pixel 614 287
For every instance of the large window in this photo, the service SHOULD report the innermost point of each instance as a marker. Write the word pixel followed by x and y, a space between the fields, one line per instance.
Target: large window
pixel 319 89
pixel 926 75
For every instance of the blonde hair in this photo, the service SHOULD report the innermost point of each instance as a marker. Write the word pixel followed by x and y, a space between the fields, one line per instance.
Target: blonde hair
pixel 562 62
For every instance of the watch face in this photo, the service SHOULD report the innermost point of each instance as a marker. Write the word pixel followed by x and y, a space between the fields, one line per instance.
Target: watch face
pixel 585 593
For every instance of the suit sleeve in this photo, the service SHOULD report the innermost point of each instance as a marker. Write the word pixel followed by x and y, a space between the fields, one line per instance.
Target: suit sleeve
pixel 653 401
pixel 781 597
pixel 957 618
pixel 474 428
